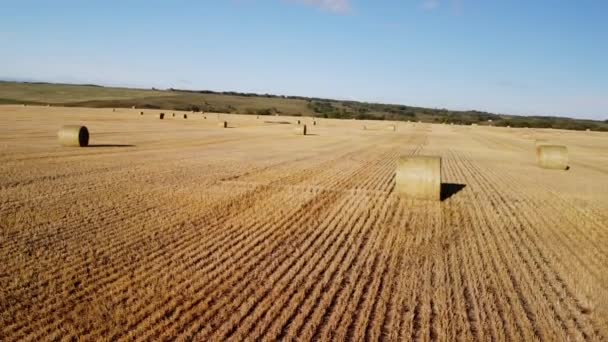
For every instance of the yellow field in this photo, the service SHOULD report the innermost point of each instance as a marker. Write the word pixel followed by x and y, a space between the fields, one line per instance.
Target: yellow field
pixel 179 228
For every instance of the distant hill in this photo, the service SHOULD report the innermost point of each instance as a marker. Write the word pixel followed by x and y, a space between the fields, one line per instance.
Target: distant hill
pixel 266 104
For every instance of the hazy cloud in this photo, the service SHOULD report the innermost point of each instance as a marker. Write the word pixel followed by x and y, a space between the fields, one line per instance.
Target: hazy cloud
pixel 336 6
pixel 430 5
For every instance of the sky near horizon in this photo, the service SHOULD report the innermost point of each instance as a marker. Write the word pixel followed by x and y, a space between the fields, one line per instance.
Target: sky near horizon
pixel 527 57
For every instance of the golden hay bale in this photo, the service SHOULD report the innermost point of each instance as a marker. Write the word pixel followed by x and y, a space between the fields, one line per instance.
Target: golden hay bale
pixel 162 116
pixel 298 122
pixel 300 130
pixel 204 117
pixel 223 124
pixel 173 114
pixel 73 135
pixel 113 109
pixel 314 123
pixel 141 113
pixel 392 128
pixel 185 116
pixel 132 107
pixel 552 157
pixel 419 177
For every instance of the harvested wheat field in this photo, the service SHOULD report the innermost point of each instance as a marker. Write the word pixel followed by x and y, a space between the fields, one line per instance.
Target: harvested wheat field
pixel 173 228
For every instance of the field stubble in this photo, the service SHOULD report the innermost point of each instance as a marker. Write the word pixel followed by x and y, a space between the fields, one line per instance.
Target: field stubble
pixel 178 228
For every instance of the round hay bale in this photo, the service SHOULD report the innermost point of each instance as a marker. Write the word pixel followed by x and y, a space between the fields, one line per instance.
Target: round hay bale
pixel 185 116
pixel 73 135
pixel 257 116
pixel 392 128
pixel 132 107
pixel 552 157
pixel 141 113
pixel 298 122
pixel 223 124
pixel 419 177
pixel 173 114
pixel 300 130
pixel 113 110
pixel 314 123
pixel 162 116
pixel 204 117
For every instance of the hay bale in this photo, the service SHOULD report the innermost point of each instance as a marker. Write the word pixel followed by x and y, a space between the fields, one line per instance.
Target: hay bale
pixel 173 114
pixel 162 116
pixel 204 117
pixel 552 157
pixel 141 113
pixel 113 110
pixel 419 177
pixel 132 107
pixel 73 135
pixel 185 116
pixel 314 123
pixel 298 122
pixel 300 130
pixel 392 128
pixel 223 124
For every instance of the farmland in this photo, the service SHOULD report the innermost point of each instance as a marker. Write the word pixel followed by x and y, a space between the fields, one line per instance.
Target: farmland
pixel 94 96
pixel 178 228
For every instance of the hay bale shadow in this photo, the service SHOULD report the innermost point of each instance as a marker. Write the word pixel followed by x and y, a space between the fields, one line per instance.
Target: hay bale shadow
pixel 110 145
pixel 450 189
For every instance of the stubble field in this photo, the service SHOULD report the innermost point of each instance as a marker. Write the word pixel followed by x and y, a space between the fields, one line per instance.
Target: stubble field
pixel 181 229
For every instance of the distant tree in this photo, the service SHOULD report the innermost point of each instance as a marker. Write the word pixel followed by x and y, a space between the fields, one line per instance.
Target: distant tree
pixel 264 111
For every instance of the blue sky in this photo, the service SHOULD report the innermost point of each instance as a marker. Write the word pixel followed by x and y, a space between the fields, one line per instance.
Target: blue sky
pixel 532 57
